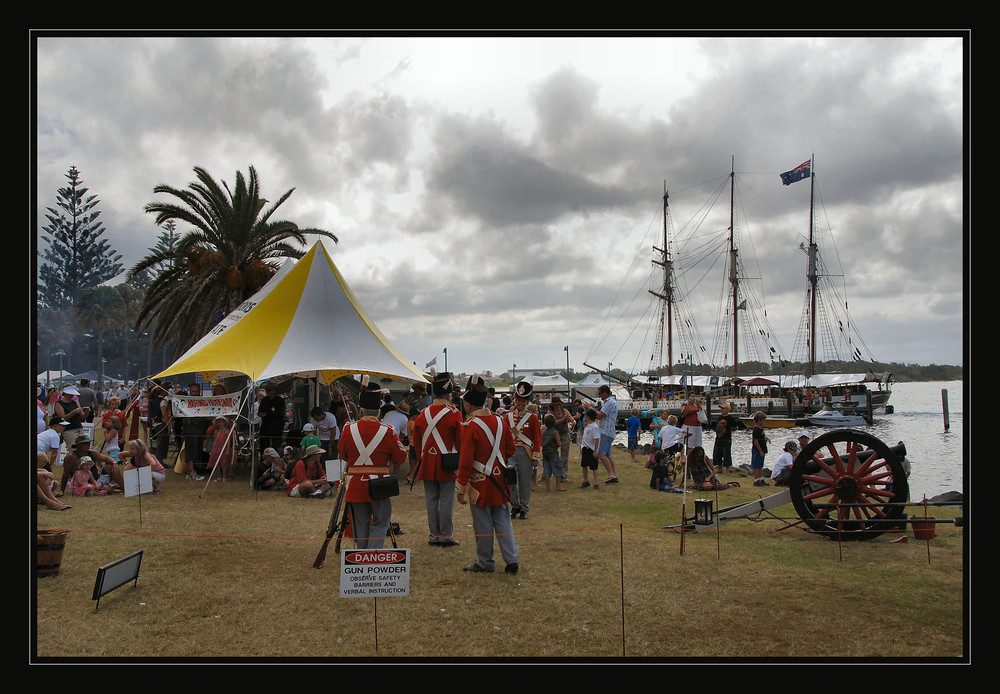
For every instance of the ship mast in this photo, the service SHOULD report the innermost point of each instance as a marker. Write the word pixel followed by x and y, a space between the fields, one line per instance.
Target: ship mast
pixel 733 273
pixel 666 293
pixel 811 272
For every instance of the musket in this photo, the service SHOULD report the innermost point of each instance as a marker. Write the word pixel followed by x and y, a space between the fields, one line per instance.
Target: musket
pixel 413 477
pixel 342 527
pixel 684 496
pixel 332 527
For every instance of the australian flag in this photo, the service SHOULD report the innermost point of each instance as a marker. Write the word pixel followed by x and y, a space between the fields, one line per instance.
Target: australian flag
pixel 797 174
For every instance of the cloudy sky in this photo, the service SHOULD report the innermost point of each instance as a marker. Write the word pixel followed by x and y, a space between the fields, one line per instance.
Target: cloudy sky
pixel 500 196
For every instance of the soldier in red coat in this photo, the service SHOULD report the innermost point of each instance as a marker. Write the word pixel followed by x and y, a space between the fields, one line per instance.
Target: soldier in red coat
pixel 486 444
pixel 526 429
pixel 373 453
pixel 437 433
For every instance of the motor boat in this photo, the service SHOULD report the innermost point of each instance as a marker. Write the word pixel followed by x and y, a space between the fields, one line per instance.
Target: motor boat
pixel 835 418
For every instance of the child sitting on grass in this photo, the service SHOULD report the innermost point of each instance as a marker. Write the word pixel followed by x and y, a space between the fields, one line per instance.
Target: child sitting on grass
pixel 661 480
pixel 83 482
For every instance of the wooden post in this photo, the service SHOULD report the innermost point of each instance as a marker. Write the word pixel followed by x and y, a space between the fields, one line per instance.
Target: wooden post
pixel 944 406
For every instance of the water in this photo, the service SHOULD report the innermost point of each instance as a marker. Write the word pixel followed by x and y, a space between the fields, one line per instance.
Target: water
pixel 937 460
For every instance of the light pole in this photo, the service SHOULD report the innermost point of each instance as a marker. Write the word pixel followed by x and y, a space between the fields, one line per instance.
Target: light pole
pixel 59 353
pixel 569 391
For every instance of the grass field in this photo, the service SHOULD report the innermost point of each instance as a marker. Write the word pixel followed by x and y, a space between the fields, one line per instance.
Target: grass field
pixel 228 575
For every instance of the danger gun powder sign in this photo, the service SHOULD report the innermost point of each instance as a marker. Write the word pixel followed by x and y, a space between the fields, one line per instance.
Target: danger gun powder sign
pixel 374 573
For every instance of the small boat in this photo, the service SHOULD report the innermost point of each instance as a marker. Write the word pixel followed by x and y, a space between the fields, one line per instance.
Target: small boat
pixel 770 423
pixel 834 418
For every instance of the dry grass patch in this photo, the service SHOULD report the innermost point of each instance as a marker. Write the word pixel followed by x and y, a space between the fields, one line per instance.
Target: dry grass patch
pixel 230 575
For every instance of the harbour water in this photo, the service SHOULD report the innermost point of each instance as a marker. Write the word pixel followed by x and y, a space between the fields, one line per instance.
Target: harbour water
pixel 937 456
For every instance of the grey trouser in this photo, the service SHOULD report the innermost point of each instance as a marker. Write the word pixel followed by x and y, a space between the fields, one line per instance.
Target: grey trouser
pixel 370 522
pixel 440 500
pixel 520 494
pixel 490 521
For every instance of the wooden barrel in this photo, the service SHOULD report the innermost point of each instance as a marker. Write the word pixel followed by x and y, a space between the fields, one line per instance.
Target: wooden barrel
pixel 50 545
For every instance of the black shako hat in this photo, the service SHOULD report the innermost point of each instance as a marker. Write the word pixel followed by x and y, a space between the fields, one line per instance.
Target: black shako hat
pixel 523 389
pixel 370 397
pixel 441 383
pixel 475 391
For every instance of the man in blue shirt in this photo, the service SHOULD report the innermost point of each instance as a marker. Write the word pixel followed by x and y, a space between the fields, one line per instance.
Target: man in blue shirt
pixel 606 420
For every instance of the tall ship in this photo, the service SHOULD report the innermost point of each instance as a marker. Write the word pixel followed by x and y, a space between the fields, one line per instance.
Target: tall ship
pixel 826 337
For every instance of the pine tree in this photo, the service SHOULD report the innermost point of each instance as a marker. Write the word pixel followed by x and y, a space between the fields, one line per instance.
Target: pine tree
pixel 167 242
pixel 76 257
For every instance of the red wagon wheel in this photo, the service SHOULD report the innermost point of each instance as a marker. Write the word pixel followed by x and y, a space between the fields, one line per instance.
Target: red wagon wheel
pixel 854 469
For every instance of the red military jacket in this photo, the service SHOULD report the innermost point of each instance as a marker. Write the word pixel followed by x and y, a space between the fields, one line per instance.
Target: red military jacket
pixel 437 430
pixel 483 453
pixel 389 451
pixel 526 430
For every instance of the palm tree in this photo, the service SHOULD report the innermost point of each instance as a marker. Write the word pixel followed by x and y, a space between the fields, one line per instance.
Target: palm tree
pixel 233 249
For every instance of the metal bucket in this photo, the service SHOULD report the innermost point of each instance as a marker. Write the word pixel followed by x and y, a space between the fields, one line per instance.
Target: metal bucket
pixel 923 530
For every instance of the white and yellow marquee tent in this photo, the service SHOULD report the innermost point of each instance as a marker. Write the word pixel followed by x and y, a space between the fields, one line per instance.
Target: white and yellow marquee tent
pixel 305 322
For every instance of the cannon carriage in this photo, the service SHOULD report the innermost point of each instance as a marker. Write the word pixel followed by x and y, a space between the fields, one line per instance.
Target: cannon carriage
pixel 845 485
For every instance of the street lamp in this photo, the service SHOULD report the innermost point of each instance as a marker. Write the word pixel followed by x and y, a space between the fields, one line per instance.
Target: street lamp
pixel 569 391
pixel 59 353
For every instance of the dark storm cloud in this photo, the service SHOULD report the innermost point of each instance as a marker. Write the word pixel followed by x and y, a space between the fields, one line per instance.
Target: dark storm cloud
pixel 576 131
pixel 521 214
pixel 871 110
pixel 488 175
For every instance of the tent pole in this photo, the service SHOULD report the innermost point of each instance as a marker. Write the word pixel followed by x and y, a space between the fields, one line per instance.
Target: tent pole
pixel 229 438
pixel 253 448
pixel 211 472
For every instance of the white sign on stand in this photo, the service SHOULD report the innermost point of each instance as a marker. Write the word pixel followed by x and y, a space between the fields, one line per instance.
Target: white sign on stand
pixel 374 573
pixel 334 470
pixel 138 481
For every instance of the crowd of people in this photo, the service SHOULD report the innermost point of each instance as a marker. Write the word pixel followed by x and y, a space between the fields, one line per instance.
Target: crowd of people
pixel 670 441
pixel 137 427
pixel 472 445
